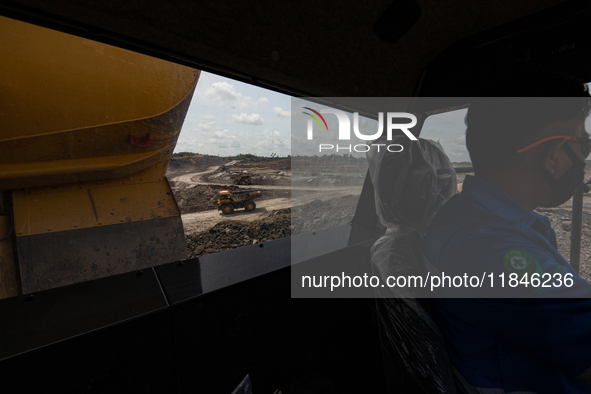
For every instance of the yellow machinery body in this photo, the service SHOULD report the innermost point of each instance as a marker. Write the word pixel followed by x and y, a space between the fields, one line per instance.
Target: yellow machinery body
pixel 228 201
pixel 242 179
pixel 86 133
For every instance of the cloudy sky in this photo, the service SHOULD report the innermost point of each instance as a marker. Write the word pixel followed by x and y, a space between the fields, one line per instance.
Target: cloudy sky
pixel 450 130
pixel 227 117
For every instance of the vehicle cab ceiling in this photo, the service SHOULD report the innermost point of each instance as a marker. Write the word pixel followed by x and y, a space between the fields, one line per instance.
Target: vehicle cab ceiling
pixel 348 48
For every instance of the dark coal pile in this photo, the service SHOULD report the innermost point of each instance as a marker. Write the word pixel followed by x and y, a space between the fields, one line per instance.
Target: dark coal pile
pixel 230 234
pixel 319 214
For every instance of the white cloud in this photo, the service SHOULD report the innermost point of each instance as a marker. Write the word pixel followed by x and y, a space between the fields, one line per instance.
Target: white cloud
pixel 222 139
pixel 209 126
pixel 248 119
pixel 188 144
pixel 272 141
pixel 261 101
pixel 224 93
pixel 449 129
pixel 282 113
pixel 207 138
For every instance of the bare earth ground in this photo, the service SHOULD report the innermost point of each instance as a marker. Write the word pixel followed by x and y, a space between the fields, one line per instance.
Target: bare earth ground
pixel 325 201
pixel 316 200
pixel 561 219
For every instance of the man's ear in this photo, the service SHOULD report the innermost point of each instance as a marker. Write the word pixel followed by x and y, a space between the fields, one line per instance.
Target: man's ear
pixel 551 159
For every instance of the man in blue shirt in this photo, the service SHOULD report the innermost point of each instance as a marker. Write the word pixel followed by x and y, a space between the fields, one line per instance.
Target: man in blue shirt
pixel 527 153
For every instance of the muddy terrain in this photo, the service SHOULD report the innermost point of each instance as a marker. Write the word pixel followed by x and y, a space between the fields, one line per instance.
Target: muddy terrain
pixel 317 198
pixel 231 234
pixel 277 173
pixel 190 164
pixel 198 198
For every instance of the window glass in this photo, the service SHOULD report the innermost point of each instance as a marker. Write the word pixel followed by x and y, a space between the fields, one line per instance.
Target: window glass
pixel 449 129
pixel 236 137
pixel 328 173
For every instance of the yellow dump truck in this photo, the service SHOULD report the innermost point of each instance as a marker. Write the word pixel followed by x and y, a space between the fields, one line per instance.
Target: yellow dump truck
pixel 242 179
pixel 86 134
pixel 228 201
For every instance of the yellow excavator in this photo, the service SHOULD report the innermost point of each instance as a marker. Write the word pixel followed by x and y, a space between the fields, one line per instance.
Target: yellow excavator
pixel 86 134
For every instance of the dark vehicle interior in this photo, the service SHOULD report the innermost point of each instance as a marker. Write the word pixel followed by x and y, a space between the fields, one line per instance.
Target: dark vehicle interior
pixel 190 326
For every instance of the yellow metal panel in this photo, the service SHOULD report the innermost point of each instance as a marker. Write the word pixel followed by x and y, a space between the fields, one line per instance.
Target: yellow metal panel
pixel 134 203
pixel 73 171
pixel 45 213
pixel 55 81
pixel 55 209
pixel 48 168
pixel 152 174
pixel 96 141
pixel 73 110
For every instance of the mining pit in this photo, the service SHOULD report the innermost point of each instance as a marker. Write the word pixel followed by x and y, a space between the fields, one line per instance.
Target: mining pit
pixel 314 198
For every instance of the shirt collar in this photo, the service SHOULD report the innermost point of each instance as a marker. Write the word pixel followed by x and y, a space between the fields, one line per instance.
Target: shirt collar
pixel 494 199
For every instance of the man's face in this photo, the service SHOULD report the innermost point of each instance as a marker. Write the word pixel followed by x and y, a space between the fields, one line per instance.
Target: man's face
pixel 562 162
pixel 579 132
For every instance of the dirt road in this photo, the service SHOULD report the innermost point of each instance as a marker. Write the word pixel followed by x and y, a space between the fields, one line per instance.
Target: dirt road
pixel 188 178
pixel 196 179
pixel 201 221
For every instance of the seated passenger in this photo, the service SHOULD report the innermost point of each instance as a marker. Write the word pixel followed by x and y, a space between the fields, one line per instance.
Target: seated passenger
pixel 528 152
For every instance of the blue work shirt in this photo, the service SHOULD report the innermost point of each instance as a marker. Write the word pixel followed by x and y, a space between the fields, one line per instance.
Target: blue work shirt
pixel 540 345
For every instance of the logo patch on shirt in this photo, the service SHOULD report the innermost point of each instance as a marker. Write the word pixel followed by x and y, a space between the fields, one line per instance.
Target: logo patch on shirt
pixel 516 261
